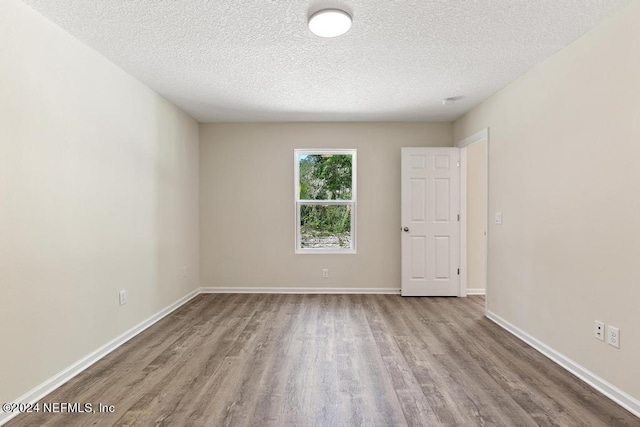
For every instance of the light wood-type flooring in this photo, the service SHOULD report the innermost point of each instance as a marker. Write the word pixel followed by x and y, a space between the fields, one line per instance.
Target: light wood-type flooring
pixel 329 360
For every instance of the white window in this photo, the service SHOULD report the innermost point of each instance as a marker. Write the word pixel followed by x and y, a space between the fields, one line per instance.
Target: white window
pixel 325 201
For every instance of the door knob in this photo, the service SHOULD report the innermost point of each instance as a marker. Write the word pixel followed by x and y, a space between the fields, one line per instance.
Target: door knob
pixel 406 229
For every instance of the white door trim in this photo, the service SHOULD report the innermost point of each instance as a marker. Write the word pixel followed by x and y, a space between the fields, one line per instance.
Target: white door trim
pixel 463 223
pixel 476 137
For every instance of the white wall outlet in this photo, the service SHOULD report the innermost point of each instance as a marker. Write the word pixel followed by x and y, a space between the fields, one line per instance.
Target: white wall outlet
pixel 123 297
pixel 613 336
pixel 498 218
pixel 599 330
pixel 184 271
pixel 325 273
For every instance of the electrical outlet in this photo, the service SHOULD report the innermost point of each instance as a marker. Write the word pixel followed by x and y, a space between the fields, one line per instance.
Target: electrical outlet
pixel 325 273
pixel 599 330
pixel 123 297
pixel 613 336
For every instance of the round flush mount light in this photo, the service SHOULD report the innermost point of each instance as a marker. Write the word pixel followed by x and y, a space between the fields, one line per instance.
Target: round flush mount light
pixel 330 22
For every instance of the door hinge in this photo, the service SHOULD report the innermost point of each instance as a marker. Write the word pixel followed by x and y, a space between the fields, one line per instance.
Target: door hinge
pixel 458 163
pixel 458 272
pixel 458 217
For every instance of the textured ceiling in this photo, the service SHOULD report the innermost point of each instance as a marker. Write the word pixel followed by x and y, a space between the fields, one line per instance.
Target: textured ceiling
pixel 256 60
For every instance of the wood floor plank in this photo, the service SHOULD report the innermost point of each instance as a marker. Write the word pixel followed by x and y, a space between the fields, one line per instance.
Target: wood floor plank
pixel 329 360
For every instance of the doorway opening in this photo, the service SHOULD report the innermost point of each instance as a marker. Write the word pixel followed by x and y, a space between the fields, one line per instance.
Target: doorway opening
pixel 474 206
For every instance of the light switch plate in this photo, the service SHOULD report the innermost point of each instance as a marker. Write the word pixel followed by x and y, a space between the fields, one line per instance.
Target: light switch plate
pixel 498 218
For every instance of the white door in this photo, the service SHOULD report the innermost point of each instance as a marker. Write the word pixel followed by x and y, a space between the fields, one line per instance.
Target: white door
pixel 430 216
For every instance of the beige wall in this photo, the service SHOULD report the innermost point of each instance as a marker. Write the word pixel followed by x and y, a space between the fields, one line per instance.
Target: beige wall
pixel 98 193
pixel 476 215
pixel 247 211
pixel 564 151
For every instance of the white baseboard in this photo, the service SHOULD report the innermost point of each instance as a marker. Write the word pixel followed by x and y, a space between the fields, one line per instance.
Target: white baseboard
pixel 475 291
pixel 612 392
pixel 292 290
pixel 62 377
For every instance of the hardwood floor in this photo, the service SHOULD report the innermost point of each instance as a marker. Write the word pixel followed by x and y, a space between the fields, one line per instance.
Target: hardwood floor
pixel 329 360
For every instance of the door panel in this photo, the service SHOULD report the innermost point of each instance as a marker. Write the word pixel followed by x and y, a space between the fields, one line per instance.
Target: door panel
pixel 430 208
pixel 418 254
pixel 418 203
pixel 442 253
pixel 441 200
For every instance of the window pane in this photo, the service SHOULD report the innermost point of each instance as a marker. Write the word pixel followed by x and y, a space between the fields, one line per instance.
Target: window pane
pixel 323 226
pixel 325 176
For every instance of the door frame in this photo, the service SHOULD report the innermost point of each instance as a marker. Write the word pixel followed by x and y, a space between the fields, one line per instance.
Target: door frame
pixel 476 137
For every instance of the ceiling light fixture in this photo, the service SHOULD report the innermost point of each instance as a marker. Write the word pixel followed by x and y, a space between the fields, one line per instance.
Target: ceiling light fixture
pixel 330 22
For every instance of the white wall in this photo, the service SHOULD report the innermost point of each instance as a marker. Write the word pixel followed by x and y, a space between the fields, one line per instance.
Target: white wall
pixel 564 152
pixel 247 210
pixel 98 192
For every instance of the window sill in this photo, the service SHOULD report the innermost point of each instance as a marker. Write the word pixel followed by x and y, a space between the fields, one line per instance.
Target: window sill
pixel 325 252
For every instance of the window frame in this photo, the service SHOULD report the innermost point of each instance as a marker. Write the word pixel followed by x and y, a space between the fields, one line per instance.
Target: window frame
pixel 298 203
